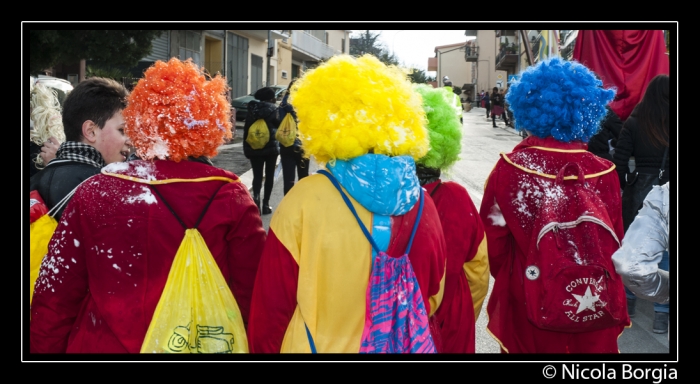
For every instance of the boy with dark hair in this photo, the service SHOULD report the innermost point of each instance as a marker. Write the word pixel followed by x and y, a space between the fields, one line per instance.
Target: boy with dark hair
pixel 94 128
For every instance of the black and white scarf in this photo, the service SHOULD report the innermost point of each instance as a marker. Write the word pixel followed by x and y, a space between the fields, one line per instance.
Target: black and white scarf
pixel 82 153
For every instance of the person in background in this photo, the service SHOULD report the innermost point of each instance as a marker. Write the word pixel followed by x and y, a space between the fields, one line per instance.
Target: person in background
pixel 467 271
pixel 497 106
pixel 46 128
pixel 487 103
pixel 294 165
pixel 315 288
pixel 94 129
pixel 603 143
pixel 645 135
pixel 263 107
pixel 456 102
pixel 111 256
pixel 640 259
pixel 543 102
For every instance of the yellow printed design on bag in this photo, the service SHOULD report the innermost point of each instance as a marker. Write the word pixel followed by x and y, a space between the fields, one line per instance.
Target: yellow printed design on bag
pixel 40 233
pixel 287 131
pixel 258 134
pixel 197 312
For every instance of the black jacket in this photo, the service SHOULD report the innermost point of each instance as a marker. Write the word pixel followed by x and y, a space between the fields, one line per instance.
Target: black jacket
pixel 34 150
pixel 609 130
pixel 496 99
pixel 262 110
pixel 59 178
pixel 647 157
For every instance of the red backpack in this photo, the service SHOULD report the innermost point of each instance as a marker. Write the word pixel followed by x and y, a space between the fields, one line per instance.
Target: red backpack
pixel 570 282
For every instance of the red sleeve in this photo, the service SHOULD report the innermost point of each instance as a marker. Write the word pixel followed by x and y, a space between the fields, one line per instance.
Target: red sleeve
pixel 428 251
pixel 499 239
pixel 61 287
pixel 274 297
pixel 246 244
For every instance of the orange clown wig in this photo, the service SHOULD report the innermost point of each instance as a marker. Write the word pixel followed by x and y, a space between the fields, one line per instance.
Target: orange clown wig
pixel 175 112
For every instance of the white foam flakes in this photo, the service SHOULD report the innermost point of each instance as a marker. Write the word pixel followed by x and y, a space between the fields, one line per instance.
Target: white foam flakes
pixel 496 216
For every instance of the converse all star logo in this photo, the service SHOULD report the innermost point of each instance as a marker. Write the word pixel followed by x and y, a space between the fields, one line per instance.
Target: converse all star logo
pixel 532 272
pixel 586 297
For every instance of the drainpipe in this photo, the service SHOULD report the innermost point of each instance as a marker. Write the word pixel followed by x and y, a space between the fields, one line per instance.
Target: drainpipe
pixel 488 72
pixel 269 54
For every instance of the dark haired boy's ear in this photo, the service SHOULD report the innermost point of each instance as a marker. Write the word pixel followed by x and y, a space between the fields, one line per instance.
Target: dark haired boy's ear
pixel 88 130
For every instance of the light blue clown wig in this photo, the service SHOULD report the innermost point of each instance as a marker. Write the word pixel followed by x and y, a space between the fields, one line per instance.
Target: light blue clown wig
pixel 558 98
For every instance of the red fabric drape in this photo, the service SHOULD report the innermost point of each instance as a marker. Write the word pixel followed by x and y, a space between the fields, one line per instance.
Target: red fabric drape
pixel 627 60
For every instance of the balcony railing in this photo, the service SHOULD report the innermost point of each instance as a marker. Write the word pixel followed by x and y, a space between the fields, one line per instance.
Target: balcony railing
pixel 506 60
pixel 311 46
pixel 471 53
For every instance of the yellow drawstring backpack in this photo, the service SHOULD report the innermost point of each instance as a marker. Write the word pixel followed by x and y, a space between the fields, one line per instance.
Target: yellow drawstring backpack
pixel 287 131
pixel 197 312
pixel 258 134
pixel 42 225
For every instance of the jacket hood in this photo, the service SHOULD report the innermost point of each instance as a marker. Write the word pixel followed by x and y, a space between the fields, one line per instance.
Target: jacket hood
pixel 261 109
pixel 383 185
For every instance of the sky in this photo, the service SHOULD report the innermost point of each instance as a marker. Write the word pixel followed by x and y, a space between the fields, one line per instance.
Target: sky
pixel 414 47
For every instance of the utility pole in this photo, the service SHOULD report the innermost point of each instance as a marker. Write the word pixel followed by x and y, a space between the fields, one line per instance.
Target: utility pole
pixel 270 50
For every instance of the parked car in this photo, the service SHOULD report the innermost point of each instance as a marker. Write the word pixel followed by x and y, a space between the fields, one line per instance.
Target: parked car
pixel 241 103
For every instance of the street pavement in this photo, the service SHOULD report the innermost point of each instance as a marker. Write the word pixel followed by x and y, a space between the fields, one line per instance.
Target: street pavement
pixel 637 339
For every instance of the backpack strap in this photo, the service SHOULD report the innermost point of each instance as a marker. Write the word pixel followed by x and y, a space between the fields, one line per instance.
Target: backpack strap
pixel 311 339
pixel 201 216
pixel 362 226
pixel 435 189
pixel 53 211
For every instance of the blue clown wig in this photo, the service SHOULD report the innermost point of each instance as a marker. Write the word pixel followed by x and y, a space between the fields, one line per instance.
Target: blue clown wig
pixel 558 98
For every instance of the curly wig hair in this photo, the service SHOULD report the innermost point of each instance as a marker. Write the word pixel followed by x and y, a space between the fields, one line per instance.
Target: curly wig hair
pixel 561 99
pixel 348 107
pixel 444 128
pixel 175 112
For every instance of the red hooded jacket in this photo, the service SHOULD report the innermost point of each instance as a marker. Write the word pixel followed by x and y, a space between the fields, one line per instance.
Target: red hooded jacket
pixel 511 198
pixel 111 253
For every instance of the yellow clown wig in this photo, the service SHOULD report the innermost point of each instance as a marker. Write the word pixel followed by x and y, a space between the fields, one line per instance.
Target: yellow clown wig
pixel 348 107
pixel 174 112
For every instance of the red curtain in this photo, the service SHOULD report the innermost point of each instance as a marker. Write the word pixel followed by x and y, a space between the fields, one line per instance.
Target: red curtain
pixel 627 60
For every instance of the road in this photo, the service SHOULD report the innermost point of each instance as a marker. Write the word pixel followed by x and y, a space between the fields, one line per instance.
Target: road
pixel 481 145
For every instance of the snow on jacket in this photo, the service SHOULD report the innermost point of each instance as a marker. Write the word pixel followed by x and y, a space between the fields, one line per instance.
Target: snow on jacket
pixel 467 271
pixel 511 197
pixel 316 264
pixel 110 257
pixel 637 261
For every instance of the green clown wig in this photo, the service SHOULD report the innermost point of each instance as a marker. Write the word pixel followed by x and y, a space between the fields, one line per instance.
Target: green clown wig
pixel 444 128
pixel 348 107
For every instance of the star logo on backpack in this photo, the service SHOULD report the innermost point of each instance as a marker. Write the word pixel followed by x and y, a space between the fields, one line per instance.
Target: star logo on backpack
pixel 586 301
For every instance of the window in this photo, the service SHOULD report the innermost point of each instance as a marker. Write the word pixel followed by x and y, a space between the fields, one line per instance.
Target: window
pixel 327 38
pixel 343 46
pixel 284 74
pixel 190 42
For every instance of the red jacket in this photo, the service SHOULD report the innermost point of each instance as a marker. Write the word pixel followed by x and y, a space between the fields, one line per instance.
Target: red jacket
pixel 467 272
pixel 110 256
pixel 511 196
